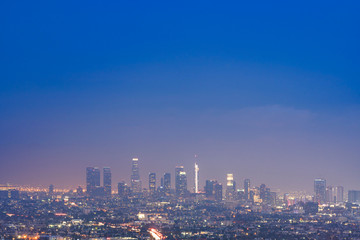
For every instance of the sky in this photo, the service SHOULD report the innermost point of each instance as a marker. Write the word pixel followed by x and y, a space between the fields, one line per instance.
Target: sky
pixel 266 90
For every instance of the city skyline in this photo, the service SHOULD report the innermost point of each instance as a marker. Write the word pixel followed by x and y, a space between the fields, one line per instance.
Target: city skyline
pixel 154 120
pixel 266 91
pixel 239 182
pixel 321 192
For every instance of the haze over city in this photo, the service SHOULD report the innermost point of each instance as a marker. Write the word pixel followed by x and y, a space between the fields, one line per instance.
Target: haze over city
pixel 276 101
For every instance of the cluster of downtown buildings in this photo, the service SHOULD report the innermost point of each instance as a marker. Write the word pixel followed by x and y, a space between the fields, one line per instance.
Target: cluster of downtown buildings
pixel 213 189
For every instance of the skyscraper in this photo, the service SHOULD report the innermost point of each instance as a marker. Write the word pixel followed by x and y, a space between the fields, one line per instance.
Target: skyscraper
pixel 339 194
pixel 92 179
pixel 218 191
pixel 330 194
pixel 196 178
pixel 247 189
pixel 135 176
pixel 152 182
pixel 123 189
pixel 180 181
pixel 320 190
pixel 167 183
pixel 263 192
pixel 107 181
pixel 209 188
pixel 230 187
pixel 354 196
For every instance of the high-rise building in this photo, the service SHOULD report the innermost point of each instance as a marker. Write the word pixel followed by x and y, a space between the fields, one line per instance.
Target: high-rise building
pixel 152 182
pixel 330 194
pixel 167 183
pixel 123 189
pixel 320 190
pixel 339 194
pixel 263 192
pixel 209 188
pixel 135 176
pixel 334 194
pixel 218 191
pixel 92 180
pixel 272 199
pixel 107 181
pixel 354 196
pixel 180 181
pixel 230 187
pixel 196 178
pixel 247 189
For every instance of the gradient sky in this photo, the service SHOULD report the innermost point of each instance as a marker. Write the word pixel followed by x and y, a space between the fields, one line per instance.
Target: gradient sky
pixel 266 90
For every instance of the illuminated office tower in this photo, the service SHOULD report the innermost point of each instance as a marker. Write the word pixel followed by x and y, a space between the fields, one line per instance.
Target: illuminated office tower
pixel 107 181
pixel 230 187
pixel 247 189
pixel 218 191
pixel 167 183
pixel 92 179
pixel 135 176
pixel 196 178
pixel 180 181
pixel 152 182
pixel 320 190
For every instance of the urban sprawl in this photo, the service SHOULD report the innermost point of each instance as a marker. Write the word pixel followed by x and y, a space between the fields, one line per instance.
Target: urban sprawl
pixel 163 212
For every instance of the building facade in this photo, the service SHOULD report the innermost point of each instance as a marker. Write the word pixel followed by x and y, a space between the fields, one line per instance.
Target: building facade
pixel 152 183
pixel 92 180
pixel 135 176
pixel 320 190
pixel 180 181
pixel 230 187
pixel 107 181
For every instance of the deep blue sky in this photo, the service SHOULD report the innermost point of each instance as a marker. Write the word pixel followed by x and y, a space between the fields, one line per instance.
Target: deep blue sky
pixel 266 90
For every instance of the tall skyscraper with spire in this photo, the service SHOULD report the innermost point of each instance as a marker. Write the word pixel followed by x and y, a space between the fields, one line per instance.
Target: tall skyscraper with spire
pixel 196 178
pixel 135 176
